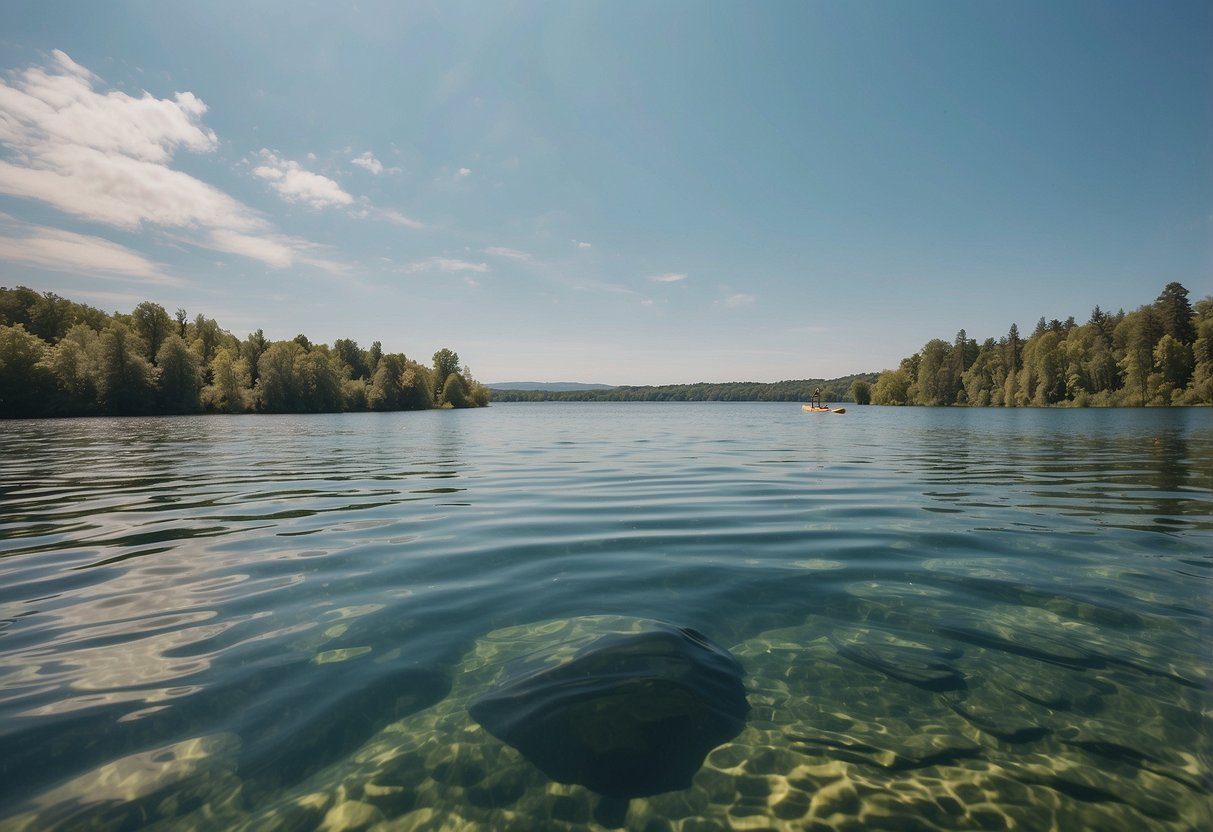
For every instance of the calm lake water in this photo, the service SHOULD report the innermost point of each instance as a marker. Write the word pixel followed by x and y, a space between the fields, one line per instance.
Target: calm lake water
pixel 946 618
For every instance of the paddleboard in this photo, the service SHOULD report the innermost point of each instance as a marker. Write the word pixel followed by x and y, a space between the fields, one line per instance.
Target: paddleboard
pixel 812 409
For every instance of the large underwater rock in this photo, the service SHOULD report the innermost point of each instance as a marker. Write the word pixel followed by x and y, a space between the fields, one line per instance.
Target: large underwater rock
pixel 629 709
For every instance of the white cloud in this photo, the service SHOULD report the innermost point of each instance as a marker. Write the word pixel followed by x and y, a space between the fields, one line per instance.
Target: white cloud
pixel 465 172
pixel 512 253
pixel 399 218
pixel 295 184
pixel 581 244
pixel 67 251
pixel 445 264
pixel 367 160
pixel 669 277
pixel 265 249
pixel 739 299
pixel 105 157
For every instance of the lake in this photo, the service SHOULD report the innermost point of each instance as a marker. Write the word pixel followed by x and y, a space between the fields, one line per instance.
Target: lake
pixel 946 618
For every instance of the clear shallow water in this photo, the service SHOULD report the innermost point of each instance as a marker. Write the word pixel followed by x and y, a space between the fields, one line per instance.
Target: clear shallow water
pixel 948 619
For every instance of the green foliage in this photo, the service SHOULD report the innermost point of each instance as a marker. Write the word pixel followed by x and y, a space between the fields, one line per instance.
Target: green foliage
pixel 892 387
pixel 319 381
pixel 178 366
pixel 1160 354
pixel 1175 314
pixel 445 363
pixel 153 325
pixel 25 380
pixel 354 358
pixel 229 391
pixel 278 383
pixel 125 379
pixel 59 358
pixel 386 390
pixel 454 391
pixel 860 391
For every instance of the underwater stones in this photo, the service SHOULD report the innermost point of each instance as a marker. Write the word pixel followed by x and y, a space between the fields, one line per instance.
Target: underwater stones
pixel 1002 723
pixel 880 749
pixel 912 662
pixel 628 708
pixel 350 816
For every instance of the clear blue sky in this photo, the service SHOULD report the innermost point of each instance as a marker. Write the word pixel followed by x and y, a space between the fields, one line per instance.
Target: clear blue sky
pixel 617 192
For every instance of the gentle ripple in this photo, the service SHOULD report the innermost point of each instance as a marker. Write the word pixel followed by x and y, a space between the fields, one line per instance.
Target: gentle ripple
pixel 949 619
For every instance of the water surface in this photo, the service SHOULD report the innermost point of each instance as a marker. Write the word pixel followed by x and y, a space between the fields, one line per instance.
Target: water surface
pixel 947 619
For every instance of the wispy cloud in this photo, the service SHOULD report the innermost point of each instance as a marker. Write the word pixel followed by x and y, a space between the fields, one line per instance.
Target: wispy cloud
pixel 669 277
pixel 739 299
pixel 296 184
pixel 398 218
pixel 464 172
pixel 445 264
pixel 66 251
pixel 368 161
pixel 105 156
pixel 265 249
pixel 581 244
pixel 512 253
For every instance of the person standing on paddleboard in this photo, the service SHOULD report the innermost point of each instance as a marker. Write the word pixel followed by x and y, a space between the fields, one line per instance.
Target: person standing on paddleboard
pixel 816 402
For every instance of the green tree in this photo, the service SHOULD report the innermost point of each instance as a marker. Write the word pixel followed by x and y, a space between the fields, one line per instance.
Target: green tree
pixel 373 354
pixel 252 349
pixel 125 379
pixel 445 362
pixel 1174 313
pixel 153 325
pixel 51 317
pixel 354 358
pixel 1202 350
pixel 935 385
pixel 860 392
pixel 178 391
pixel 26 383
pixel 206 338
pixel 1014 350
pixel 15 305
pixel 891 388
pixel 416 387
pixel 1135 337
pixel 72 364
pixel 278 384
pixel 319 381
pixel 229 391
pixel 386 392
pixel 454 391
pixel 1173 360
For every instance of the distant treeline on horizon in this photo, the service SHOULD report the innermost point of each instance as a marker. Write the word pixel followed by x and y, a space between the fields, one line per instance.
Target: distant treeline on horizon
pixel 60 358
pixel 1159 354
pixel 832 390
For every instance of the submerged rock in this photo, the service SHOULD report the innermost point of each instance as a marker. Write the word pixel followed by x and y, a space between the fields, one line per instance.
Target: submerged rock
pixel 629 709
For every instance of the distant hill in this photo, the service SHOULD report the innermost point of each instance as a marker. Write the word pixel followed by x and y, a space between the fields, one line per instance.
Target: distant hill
pixel 550 386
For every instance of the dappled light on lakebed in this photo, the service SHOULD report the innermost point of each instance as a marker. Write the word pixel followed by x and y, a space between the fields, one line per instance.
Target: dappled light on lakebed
pixel 579 616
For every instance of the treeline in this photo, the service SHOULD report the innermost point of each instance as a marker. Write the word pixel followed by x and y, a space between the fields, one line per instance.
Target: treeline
pixel 60 358
pixel 1159 354
pixel 836 390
